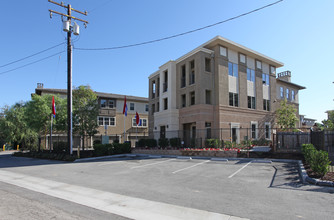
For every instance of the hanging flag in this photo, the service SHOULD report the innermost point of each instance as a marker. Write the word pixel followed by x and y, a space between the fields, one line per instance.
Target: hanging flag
pixel 125 107
pixel 137 118
pixel 53 107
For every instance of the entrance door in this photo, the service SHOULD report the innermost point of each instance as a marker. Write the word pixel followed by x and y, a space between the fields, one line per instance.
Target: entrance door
pixel 235 133
pixel 162 132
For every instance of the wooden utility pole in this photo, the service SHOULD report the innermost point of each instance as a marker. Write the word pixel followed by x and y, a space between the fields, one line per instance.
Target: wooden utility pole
pixel 69 65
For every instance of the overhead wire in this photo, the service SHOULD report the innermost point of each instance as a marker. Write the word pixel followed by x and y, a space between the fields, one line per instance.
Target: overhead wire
pixel 32 62
pixel 184 33
pixel 24 58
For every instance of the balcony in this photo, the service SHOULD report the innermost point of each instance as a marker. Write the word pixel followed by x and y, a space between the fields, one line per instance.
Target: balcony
pixel 111 112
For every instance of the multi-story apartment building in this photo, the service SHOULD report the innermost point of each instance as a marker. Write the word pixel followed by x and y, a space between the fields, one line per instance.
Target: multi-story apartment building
pixel 111 119
pixel 221 90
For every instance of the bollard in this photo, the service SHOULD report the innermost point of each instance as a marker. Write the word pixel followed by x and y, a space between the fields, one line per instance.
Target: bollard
pixel 17 147
pixel 4 147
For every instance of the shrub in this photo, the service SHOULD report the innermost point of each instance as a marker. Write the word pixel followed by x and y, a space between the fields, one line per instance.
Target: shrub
pixel 121 148
pixel 175 142
pixel 163 142
pixel 320 162
pixel 141 143
pixel 101 149
pixel 212 143
pixel 308 150
pixel 60 147
pixel 261 142
pixel 228 144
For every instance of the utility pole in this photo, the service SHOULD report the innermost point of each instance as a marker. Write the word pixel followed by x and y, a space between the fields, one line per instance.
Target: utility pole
pixel 69 28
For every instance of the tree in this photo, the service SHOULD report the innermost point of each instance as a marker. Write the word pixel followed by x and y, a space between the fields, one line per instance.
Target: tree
pixel 85 112
pixel 14 126
pixel 286 116
pixel 329 123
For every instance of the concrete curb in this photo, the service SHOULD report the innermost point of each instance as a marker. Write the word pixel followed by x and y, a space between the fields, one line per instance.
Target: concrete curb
pixel 307 179
pixel 98 158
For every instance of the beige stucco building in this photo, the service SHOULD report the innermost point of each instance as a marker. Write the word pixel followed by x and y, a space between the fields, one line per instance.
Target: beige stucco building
pixel 220 89
pixel 111 119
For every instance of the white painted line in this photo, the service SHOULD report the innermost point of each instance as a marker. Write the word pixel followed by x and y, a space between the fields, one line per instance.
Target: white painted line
pixel 191 166
pixel 240 169
pixel 126 206
pixel 151 164
pixel 183 157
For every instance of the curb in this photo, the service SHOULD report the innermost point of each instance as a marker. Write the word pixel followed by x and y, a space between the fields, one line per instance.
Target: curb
pixel 307 179
pixel 103 157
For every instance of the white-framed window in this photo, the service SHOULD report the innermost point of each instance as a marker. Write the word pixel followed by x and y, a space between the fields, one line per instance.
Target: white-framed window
pixel 111 103
pixel 287 94
pixel 223 51
pixel 109 121
pixel 132 106
pixel 103 103
pixel 254 130
pixel 267 130
pixel 142 122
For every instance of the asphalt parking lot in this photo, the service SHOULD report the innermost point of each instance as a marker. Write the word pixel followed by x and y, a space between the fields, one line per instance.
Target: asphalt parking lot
pixel 249 189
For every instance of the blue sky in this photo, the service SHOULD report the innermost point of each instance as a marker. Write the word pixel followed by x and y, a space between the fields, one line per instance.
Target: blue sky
pixel 298 33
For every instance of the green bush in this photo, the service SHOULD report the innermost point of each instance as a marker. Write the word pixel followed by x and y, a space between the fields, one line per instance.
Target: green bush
pixel 175 142
pixel 261 142
pixel 163 142
pixel 228 144
pixel 101 149
pixel 60 147
pixel 212 143
pixel 150 143
pixel 308 150
pixel 320 162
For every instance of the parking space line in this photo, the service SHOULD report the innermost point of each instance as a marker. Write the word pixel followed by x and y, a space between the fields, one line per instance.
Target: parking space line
pixel 191 166
pixel 239 169
pixel 150 164
pixel 109 162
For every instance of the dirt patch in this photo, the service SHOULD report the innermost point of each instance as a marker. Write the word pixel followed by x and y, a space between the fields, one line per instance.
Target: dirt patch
pixel 328 177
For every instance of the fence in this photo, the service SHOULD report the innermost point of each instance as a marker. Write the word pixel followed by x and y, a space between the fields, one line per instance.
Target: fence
pixel 324 140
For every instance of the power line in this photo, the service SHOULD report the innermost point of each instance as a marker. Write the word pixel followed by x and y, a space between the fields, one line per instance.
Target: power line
pixel 100 5
pixel 32 62
pixel 184 33
pixel 32 55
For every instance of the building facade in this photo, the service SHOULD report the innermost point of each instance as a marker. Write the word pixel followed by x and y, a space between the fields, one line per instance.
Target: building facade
pixel 113 125
pixel 219 90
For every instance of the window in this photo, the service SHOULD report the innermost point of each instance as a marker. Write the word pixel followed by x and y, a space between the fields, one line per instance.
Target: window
pixel 142 122
pixel 111 103
pixel 158 106
pixel 106 121
pixel 281 90
pixel 153 108
pixel 251 102
pixel 192 72
pixel 208 97
pixel 183 100
pixel 267 127
pixel 208 129
pixel 234 99
pixel 146 108
pixel 287 94
pixel 232 69
pixel 192 98
pixel 153 89
pixel 258 64
pixel 250 75
pixel 254 130
pixel 265 79
pixel 292 95
pixel 183 76
pixel 207 64
pixel 132 106
pixel 103 103
pixel 165 103
pixel 158 87
pixel 165 86
pixel 266 105
pixel 272 70
pixel 223 51
pixel 242 58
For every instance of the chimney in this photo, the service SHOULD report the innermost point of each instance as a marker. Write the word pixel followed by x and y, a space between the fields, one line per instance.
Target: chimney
pixel 286 76
pixel 40 85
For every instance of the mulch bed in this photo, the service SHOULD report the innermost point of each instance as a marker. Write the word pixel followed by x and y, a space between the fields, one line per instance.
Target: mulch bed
pixel 328 177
